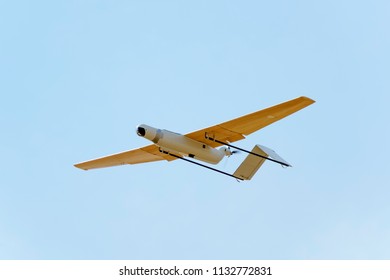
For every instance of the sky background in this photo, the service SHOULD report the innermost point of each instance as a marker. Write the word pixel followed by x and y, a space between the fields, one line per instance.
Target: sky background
pixel 77 77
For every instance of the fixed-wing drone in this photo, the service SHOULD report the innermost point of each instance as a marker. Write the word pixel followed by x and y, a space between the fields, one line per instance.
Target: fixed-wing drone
pixel 202 144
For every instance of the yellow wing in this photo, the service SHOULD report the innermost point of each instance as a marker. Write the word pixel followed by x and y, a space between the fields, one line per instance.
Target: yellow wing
pixel 229 131
pixel 141 155
pixel 238 128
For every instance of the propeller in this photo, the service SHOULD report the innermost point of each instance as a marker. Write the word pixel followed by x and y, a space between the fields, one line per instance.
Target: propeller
pixel 228 153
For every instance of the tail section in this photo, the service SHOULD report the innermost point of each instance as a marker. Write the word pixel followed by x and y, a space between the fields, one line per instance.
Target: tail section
pixel 255 160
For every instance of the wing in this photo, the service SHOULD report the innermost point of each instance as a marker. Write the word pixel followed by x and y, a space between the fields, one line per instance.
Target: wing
pixel 229 131
pixel 145 154
pixel 236 129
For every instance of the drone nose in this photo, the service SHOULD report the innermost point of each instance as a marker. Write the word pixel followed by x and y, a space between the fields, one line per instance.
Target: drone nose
pixel 141 131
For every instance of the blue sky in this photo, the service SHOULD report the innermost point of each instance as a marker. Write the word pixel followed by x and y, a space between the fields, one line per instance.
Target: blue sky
pixel 77 77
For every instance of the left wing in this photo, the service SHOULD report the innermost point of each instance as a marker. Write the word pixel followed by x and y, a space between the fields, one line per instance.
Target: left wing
pixel 145 154
pixel 238 128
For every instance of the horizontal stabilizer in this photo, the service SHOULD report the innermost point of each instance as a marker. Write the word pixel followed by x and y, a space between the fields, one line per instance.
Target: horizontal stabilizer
pixel 252 162
pixel 272 154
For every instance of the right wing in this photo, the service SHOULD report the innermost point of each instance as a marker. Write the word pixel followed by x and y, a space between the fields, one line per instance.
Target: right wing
pixel 237 129
pixel 145 154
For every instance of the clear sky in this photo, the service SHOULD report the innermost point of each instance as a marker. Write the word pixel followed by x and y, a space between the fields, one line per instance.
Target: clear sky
pixel 77 77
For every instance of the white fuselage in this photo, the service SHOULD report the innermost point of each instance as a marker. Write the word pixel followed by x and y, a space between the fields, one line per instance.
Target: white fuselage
pixel 178 144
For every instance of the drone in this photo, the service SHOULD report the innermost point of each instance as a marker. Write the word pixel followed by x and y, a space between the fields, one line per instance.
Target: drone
pixel 208 145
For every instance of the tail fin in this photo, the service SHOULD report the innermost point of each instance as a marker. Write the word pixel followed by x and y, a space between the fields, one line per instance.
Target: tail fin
pixel 272 154
pixel 252 163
